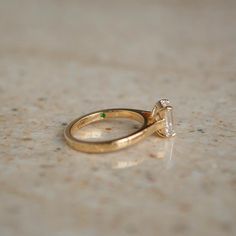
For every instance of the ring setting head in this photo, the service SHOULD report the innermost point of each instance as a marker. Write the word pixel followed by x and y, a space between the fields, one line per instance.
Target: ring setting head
pixel 164 111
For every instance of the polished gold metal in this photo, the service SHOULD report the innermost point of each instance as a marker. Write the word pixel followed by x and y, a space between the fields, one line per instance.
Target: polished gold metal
pixel 159 121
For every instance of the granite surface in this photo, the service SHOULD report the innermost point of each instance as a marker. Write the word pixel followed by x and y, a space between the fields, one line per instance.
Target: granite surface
pixel 63 59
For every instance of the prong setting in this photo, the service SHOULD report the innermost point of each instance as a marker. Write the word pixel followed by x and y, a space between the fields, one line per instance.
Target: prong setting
pixel 164 111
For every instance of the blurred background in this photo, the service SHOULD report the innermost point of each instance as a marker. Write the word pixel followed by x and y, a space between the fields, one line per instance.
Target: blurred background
pixel 60 59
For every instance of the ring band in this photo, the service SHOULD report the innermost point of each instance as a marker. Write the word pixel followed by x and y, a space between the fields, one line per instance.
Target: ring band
pixel 159 121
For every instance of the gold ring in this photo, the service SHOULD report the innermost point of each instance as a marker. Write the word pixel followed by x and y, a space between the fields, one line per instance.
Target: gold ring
pixel 158 121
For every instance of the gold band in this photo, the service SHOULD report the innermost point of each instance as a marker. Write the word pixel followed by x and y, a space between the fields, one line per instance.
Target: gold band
pixel 154 121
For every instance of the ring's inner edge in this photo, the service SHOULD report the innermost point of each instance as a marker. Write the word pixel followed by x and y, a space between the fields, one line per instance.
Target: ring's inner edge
pixel 106 114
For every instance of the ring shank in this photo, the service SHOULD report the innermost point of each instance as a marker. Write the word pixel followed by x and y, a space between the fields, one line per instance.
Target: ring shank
pixel 111 145
pixel 111 113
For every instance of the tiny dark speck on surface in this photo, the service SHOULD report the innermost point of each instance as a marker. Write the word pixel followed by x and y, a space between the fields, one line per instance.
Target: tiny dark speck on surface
pixel 42 99
pixel 136 126
pixel 152 155
pixel 201 131
pixel 26 139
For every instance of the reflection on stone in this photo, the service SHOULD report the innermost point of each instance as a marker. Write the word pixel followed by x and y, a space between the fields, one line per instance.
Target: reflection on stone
pixel 164 150
pixel 169 146
pixel 126 164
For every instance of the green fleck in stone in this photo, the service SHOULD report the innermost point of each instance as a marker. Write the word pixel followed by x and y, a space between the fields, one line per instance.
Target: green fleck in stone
pixel 103 115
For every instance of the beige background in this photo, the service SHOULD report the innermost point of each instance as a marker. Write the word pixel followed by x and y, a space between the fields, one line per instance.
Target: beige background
pixel 62 59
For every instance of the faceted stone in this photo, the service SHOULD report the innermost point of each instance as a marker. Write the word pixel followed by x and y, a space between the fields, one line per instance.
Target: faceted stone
pixel 164 102
pixel 169 122
pixel 167 114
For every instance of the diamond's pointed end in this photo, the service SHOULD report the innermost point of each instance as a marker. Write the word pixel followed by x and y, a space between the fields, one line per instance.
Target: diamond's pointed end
pixel 164 102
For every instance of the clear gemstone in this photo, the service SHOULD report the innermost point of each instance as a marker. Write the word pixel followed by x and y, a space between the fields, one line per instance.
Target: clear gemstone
pixel 169 122
pixel 167 114
pixel 164 102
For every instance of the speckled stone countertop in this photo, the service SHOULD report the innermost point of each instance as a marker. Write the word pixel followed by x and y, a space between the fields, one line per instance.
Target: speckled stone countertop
pixel 63 59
